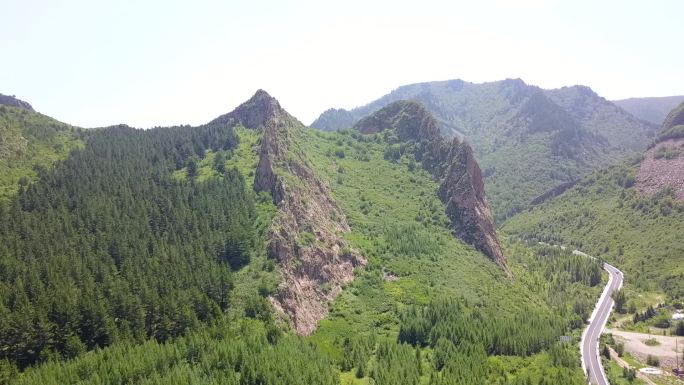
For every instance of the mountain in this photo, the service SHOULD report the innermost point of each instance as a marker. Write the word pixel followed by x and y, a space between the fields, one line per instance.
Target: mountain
pixel 653 110
pixel 527 140
pixel 631 214
pixel 462 186
pixel 253 249
pixel 305 209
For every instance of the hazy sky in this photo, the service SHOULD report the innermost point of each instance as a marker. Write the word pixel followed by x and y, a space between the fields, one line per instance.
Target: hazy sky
pixel 147 63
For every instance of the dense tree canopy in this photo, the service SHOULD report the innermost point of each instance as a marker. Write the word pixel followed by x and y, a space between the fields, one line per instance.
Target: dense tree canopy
pixel 109 247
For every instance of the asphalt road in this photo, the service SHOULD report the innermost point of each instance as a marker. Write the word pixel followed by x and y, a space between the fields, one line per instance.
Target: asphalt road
pixel 589 345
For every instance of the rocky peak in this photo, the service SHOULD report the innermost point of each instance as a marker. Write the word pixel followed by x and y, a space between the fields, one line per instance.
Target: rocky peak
pixel 255 112
pixel 452 163
pixel 12 101
pixel 313 272
pixel 410 119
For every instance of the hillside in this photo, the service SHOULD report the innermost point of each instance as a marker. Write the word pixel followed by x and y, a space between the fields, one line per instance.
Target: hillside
pixel 254 250
pixel 527 140
pixel 30 144
pixel 652 110
pixel 630 214
pixel 663 163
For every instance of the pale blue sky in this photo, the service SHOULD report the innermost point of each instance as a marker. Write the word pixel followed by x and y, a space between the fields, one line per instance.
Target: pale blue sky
pixel 146 63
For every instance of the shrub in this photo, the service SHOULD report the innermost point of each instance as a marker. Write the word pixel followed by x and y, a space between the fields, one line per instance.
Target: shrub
pixel 679 329
pixel 652 361
pixel 662 322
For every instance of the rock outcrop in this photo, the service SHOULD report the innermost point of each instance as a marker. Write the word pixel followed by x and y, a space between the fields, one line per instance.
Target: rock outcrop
pixel 663 163
pixel 452 163
pixel 305 236
pixel 12 101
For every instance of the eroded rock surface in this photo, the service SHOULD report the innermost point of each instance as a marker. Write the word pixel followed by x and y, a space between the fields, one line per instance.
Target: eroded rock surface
pixel 306 235
pixel 452 163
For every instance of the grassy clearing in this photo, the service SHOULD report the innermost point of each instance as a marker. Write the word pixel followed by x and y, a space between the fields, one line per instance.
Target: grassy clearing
pixel 615 374
pixel 31 143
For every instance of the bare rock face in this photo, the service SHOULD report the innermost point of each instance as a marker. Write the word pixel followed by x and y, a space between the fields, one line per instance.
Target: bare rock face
pixel 462 190
pixel 305 236
pixel 12 101
pixel 453 164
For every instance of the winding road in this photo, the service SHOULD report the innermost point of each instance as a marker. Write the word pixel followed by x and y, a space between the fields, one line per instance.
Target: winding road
pixel 591 362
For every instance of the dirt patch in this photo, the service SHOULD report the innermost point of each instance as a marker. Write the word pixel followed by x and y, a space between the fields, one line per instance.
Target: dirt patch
pixel 634 344
pixel 663 166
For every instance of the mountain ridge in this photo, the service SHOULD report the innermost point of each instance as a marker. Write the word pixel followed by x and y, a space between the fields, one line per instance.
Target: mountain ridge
pixel 526 139
pixel 650 109
pixel 450 162
pixel 305 208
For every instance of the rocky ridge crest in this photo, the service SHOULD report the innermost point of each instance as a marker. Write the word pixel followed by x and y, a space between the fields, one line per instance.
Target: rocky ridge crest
pixel 305 237
pixel 452 163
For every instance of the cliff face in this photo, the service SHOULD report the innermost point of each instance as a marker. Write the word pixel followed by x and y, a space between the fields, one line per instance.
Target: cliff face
pixel 305 235
pixel 462 190
pixel 453 164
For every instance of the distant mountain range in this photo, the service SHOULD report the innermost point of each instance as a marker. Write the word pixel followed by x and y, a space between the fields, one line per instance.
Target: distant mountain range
pixel 631 214
pixel 652 110
pixel 527 139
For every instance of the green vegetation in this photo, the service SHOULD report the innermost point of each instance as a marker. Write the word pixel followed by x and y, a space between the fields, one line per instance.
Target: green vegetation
pixel 604 216
pixel 679 329
pixel 240 353
pixel 527 140
pixel 673 126
pixel 620 376
pixel 30 144
pixel 142 259
pixel 674 132
pixel 620 299
pixel 667 152
pixel 109 248
pixel 398 223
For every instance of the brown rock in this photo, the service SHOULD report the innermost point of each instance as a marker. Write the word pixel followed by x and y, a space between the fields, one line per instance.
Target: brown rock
pixel 453 164
pixel 305 237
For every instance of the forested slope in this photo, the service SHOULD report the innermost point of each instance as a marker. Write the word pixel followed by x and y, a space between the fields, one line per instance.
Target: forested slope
pixel 526 139
pixel 604 215
pixel 147 257
pixel 109 248
pixel 631 214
